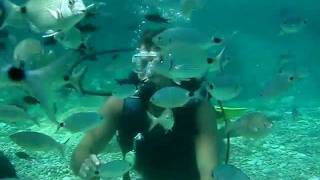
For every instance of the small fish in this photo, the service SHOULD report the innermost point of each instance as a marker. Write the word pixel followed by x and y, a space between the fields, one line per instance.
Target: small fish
pixel 81 121
pixel 182 35
pixel 7 169
pixel 23 155
pixel 228 172
pixel 47 17
pixel 171 97
pixel 75 80
pixel 223 87
pixel 113 169
pixel 36 141
pixel 182 62
pixel 12 114
pixel 28 50
pixel 292 25
pixel 156 18
pixel 251 125
pixel 279 84
pixel 166 120
pixel 71 39
pixel 124 90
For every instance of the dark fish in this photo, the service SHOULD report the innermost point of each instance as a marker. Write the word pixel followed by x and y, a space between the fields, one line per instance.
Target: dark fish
pixel 6 168
pixel 30 100
pixel 87 28
pixel 156 18
pixel 23 155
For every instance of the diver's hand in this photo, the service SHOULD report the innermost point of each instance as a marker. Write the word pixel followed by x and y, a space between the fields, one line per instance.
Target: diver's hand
pixel 89 168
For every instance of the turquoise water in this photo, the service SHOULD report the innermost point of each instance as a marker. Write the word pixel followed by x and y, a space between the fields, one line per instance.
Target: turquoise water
pixel 255 53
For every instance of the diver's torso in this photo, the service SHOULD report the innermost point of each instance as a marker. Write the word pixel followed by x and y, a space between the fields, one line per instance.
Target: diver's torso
pixel 160 155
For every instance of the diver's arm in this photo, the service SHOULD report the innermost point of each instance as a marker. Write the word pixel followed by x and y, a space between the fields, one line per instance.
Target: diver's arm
pixel 96 139
pixel 206 141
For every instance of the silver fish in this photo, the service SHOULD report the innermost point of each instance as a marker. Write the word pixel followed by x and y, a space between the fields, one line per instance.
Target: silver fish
pixel 81 121
pixel 11 114
pixel 292 25
pixel 49 17
pixel 27 51
pixel 171 97
pixel 114 169
pixel 251 125
pixel 71 39
pixel 181 35
pixel 166 120
pixel 36 141
pixel 223 87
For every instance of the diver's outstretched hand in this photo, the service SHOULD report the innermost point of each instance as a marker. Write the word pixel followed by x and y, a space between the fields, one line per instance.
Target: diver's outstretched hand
pixel 89 168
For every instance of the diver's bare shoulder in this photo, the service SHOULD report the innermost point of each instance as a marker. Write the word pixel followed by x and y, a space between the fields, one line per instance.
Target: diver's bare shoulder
pixel 96 139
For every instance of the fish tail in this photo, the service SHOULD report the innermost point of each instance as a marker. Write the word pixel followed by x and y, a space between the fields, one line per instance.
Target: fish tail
pixel 9 12
pixel 153 119
pixel 62 148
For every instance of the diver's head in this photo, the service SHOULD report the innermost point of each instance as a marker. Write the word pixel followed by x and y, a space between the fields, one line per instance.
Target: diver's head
pixel 142 62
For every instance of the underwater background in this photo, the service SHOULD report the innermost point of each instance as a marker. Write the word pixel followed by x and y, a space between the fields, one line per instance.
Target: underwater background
pixel 290 152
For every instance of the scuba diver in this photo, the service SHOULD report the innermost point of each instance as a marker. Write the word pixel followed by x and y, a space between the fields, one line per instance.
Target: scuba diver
pixel 188 152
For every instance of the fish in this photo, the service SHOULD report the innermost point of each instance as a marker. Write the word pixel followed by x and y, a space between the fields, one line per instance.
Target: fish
pixel 228 172
pixel 223 87
pixel 41 82
pixel 279 84
pixel 172 97
pixel 156 18
pixel 165 120
pixel 7 169
pixel 36 141
pixel 181 63
pixel 113 169
pixel 81 121
pixel 292 25
pixel 124 90
pixel 250 125
pixel 27 50
pixel 48 17
pixel 71 39
pixel 75 80
pixel 13 114
pixel 182 35
pixel 188 6
pixel 23 155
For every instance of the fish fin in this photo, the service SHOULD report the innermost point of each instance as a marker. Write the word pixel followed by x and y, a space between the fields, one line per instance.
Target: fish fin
pixel 53 13
pixel 50 33
pixel 11 11
pixel 154 121
pixel 34 27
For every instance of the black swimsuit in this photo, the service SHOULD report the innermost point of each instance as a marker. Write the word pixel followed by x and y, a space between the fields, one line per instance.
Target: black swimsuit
pixel 160 156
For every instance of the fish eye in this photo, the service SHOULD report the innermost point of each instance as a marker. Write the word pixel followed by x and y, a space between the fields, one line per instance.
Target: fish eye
pixel 291 78
pixel 71 3
pixel 190 94
pixel 210 60
pixel 61 124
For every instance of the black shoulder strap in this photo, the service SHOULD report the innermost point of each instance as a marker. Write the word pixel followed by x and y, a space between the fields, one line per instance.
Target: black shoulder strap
pixel 133 121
